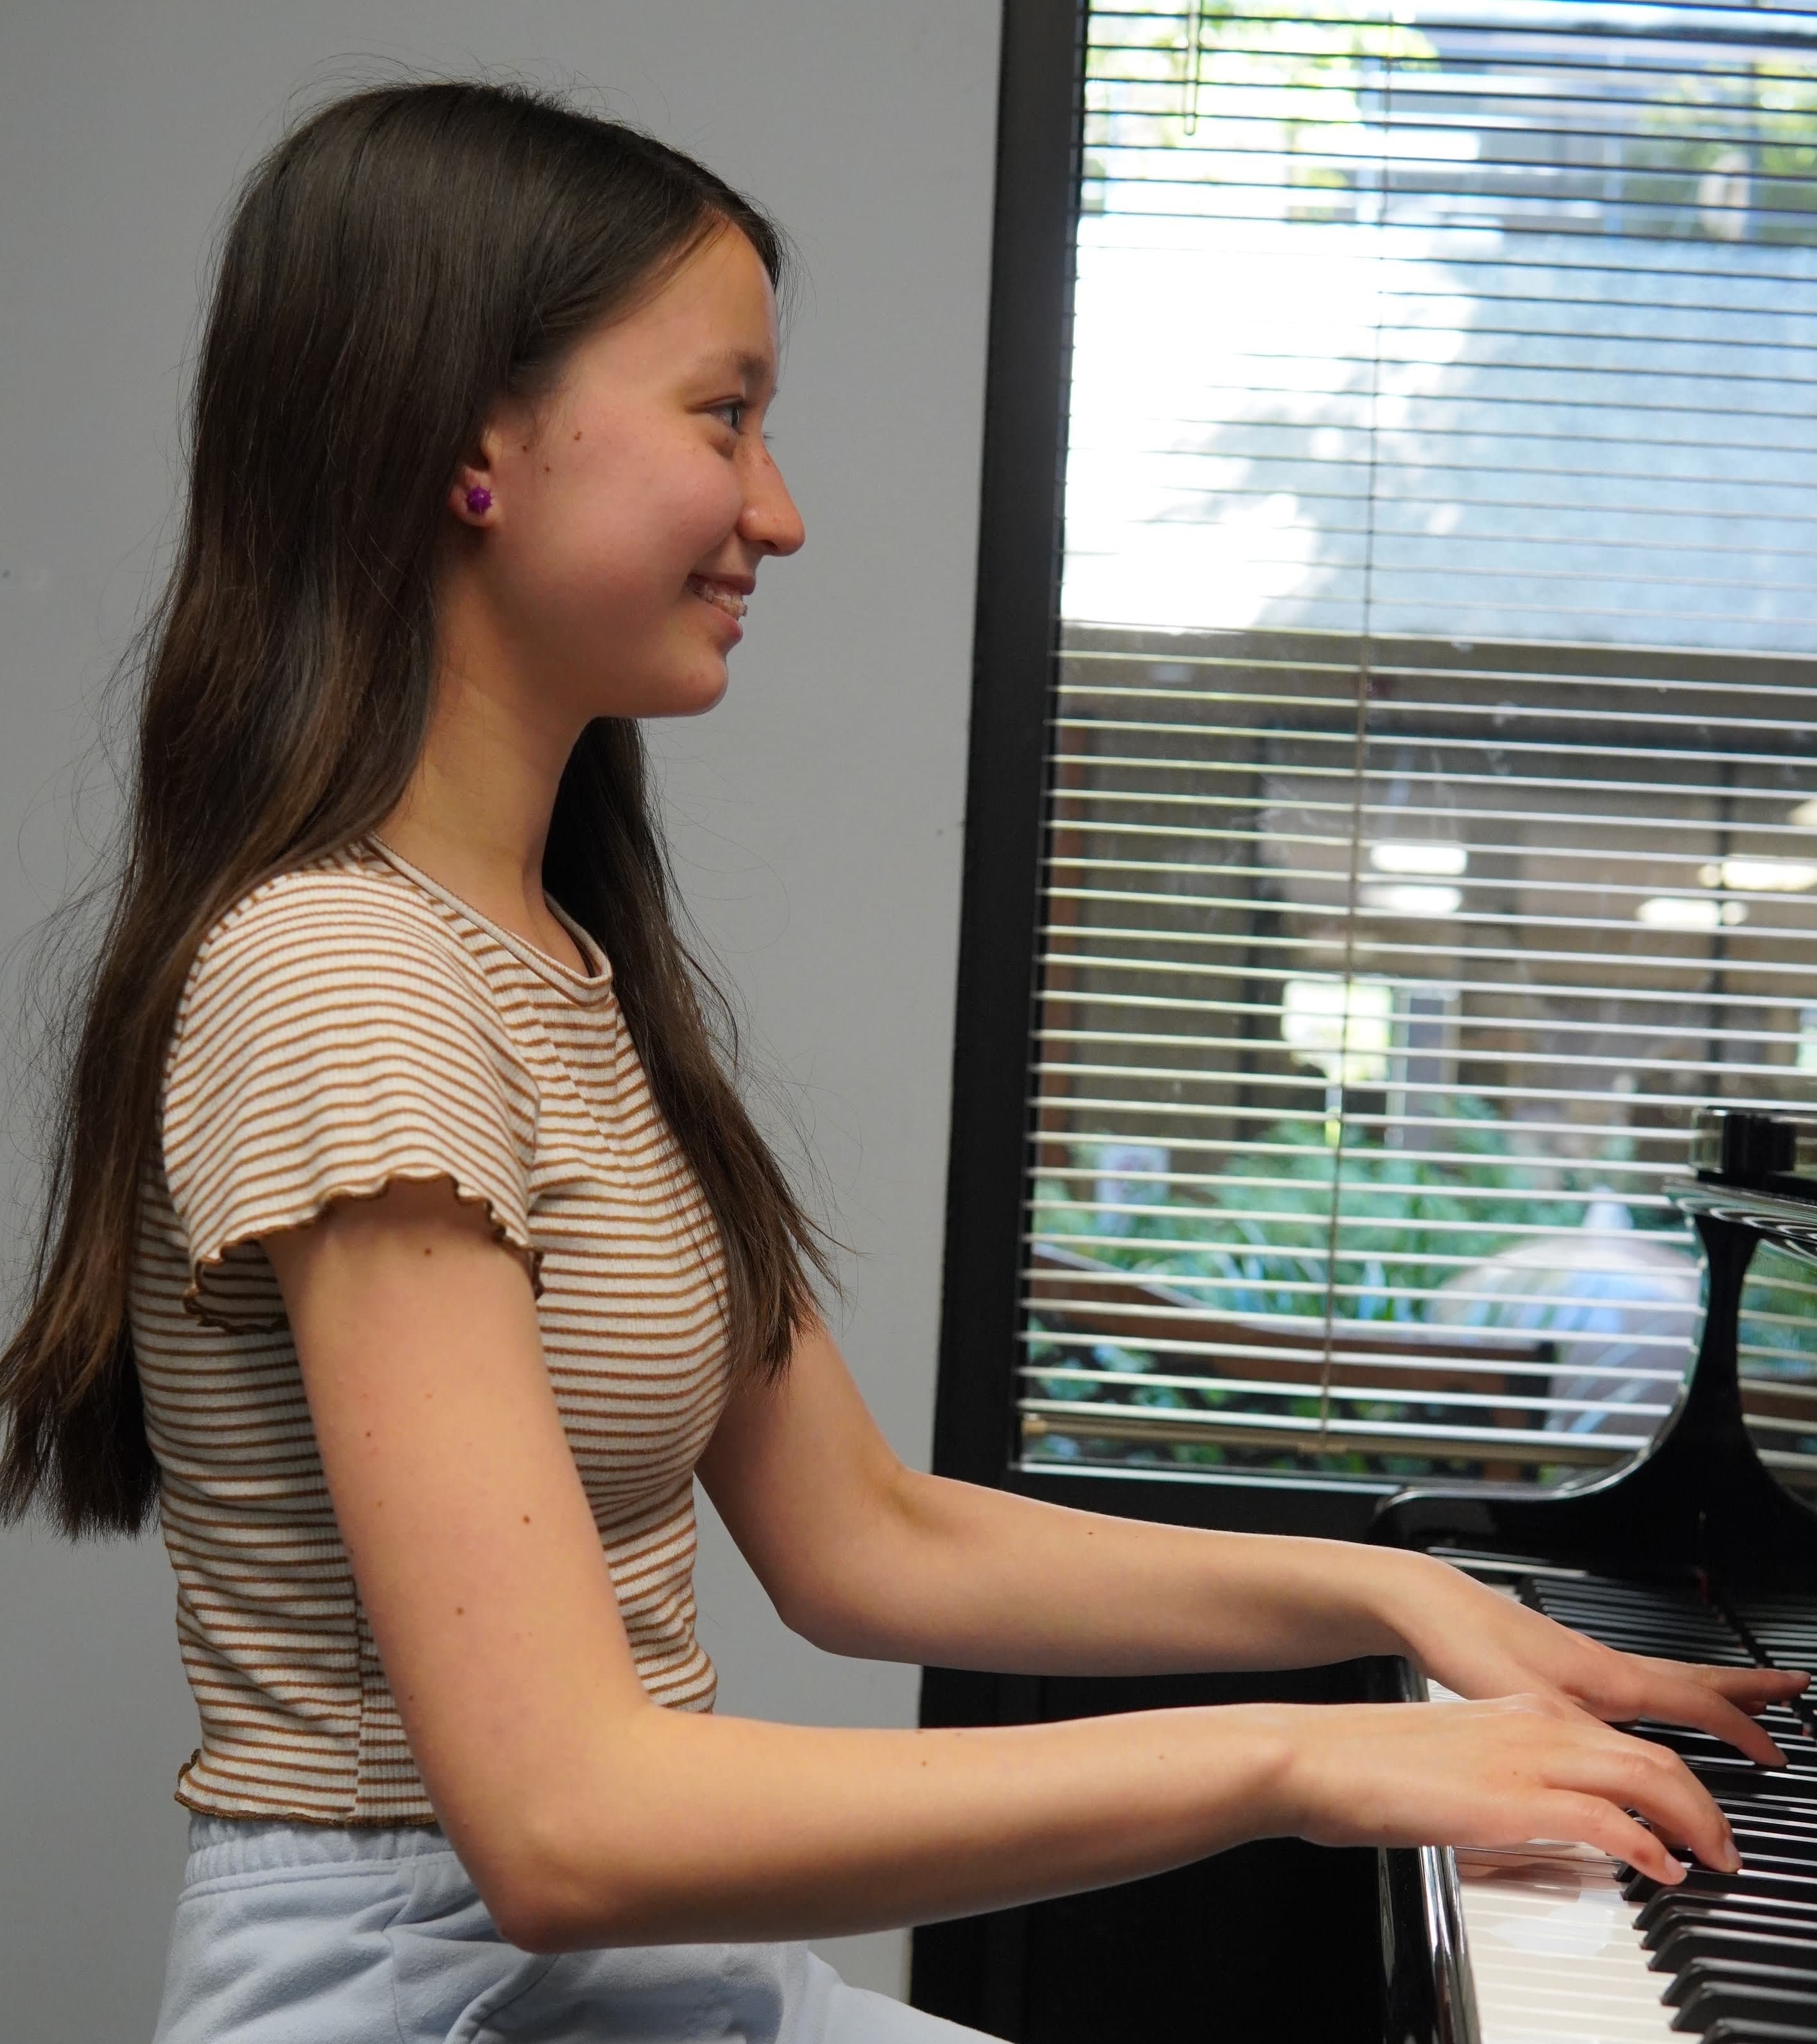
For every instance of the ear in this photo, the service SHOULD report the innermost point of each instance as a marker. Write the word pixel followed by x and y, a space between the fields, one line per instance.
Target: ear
pixel 472 496
pixel 473 492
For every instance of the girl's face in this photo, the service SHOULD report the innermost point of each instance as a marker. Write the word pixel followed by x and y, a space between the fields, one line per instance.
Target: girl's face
pixel 630 510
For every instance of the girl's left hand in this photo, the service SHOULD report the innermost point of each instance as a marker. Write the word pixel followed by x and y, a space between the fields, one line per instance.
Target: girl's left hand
pixel 1481 1643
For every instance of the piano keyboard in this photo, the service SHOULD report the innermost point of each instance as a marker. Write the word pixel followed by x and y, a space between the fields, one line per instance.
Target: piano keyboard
pixel 1568 1947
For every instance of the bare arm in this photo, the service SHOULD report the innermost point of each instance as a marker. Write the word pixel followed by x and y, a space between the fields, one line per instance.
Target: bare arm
pixel 864 1556
pixel 586 1815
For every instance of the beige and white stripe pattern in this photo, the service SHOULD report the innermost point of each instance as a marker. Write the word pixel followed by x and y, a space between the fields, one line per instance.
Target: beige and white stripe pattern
pixel 345 1023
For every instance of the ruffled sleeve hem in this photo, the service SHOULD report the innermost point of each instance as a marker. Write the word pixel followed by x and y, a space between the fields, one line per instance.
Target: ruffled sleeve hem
pixel 219 1274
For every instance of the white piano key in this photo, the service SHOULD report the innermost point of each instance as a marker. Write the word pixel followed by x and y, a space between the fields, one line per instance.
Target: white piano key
pixel 1553 1951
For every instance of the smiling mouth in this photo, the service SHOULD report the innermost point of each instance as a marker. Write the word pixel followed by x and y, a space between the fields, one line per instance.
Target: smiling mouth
pixel 718 593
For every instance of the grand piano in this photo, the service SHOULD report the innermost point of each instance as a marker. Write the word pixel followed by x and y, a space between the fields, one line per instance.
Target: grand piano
pixel 1698 1551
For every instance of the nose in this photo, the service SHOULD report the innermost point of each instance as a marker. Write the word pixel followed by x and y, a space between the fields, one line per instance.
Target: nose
pixel 770 519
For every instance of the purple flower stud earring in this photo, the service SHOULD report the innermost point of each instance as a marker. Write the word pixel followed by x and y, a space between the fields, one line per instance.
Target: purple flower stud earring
pixel 478 499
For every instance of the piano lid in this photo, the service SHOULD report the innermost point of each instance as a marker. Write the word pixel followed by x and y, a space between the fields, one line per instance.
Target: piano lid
pixel 1749 1147
pixel 1758 1170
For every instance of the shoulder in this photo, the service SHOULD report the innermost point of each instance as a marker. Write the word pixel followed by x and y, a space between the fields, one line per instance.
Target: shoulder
pixel 342 931
pixel 333 1033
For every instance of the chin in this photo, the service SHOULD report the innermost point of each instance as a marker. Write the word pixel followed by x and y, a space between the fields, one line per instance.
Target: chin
pixel 691 698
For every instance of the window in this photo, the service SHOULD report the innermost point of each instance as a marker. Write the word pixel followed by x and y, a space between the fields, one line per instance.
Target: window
pixel 1429 811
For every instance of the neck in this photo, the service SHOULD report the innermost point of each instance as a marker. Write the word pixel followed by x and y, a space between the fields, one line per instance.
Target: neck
pixel 475 815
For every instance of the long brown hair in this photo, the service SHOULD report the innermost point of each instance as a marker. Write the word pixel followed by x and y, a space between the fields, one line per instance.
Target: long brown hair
pixel 400 259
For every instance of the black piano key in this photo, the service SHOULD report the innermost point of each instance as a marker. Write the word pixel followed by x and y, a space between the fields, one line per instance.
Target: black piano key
pixel 1787 1801
pixel 1785 1730
pixel 1669 1641
pixel 1776 1719
pixel 1692 1735
pixel 1673 1905
pixel 1718 1976
pixel 1791 1740
pixel 1689 1636
pixel 1623 1607
pixel 1737 2029
pixel 1788 1840
pixel 1684 1622
pixel 1734 1998
pixel 1732 1779
pixel 1640 1888
pixel 1676 1951
pixel 1675 1588
pixel 1588 1582
pixel 1790 1824
pixel 1800 1762
pixel 1612 1593
pixel 1766 1856
pixel 1662 1645
pixel 1788 1617
pixel 1780 1721
pixel 1711 1919
pixel 1766 1859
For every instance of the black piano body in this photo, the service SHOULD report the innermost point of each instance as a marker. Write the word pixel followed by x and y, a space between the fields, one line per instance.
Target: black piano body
pixel 1698 1512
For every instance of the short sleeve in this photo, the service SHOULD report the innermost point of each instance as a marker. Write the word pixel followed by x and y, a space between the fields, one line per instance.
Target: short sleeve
pixel 328 1040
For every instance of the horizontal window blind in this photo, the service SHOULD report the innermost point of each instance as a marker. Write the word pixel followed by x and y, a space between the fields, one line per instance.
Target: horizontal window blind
pixel 1433 813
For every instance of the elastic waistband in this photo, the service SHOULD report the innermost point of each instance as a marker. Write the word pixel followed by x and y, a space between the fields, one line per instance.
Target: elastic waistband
pixel 220 1846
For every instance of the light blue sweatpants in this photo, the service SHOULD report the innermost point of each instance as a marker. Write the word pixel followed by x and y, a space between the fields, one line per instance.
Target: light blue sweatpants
pixel 296 1933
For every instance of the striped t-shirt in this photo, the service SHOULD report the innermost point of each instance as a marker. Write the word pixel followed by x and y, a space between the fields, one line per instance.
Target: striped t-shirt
pixel 344 1023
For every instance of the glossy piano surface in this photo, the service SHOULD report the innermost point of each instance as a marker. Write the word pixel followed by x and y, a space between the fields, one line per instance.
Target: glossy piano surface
pixel 1697 1551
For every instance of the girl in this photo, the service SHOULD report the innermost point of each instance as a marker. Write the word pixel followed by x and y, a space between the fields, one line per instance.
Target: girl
pixel 411 1254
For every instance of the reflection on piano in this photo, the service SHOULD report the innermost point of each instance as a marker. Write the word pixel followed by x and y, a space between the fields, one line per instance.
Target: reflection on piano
pixel 1696 1551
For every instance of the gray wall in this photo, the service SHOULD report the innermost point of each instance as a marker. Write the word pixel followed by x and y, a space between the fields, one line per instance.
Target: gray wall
pixel 817 812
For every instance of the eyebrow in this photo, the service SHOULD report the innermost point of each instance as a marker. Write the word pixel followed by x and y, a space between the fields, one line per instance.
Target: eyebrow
pixel 752 368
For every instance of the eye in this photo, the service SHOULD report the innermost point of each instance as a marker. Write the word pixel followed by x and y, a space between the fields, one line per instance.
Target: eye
pixel 735 405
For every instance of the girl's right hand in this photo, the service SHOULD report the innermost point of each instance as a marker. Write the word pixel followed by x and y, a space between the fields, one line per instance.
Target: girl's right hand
pixel 1496 1773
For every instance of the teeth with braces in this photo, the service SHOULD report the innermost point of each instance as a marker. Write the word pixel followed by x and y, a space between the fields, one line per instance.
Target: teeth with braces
pixel 728 600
